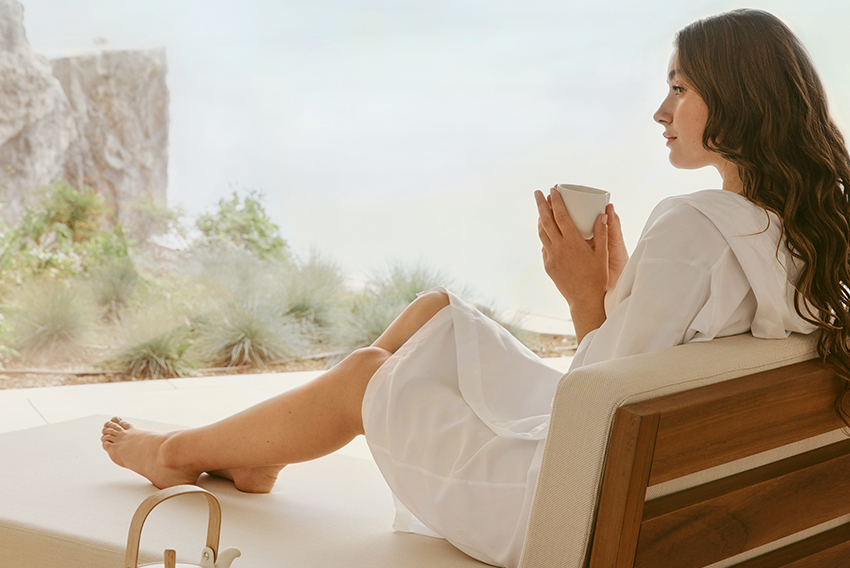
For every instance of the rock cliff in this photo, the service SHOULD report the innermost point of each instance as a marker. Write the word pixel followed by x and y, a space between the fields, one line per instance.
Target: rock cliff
pixel 99 119
pixel 119 104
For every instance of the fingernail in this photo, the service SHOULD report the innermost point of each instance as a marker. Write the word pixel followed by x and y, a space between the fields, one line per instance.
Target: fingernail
pixel 605 219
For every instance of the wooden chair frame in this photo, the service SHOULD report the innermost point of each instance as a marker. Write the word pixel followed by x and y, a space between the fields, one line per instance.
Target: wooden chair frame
pixel 672 436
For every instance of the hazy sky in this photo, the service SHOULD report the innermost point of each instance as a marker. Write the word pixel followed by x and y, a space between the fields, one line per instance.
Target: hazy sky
pixel 385 130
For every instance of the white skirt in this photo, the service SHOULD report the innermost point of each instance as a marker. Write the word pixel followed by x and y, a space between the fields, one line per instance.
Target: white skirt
pixel 456 421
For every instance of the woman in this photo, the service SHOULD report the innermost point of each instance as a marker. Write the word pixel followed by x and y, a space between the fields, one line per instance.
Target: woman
pixel 456 412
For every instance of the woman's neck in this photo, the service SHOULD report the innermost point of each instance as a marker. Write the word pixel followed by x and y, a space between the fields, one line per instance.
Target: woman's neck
pixel 731 177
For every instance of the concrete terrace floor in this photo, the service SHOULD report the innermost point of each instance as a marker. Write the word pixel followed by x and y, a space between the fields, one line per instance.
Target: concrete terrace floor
pixel 192 401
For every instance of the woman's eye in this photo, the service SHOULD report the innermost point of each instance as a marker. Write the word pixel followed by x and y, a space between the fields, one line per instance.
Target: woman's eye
pixel 677 89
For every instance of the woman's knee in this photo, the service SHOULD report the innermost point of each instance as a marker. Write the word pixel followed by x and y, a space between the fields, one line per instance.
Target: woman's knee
pixel 362 365
pixel 437 299
pixel 369 358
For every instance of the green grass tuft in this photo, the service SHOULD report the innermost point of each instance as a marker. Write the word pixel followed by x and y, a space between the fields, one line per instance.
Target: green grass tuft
pixel 113 286
pixel 52 319
pixel 234 336
pixel 151 355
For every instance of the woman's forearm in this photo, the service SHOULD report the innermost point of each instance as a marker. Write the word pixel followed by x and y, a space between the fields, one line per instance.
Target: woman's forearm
pixel 587 317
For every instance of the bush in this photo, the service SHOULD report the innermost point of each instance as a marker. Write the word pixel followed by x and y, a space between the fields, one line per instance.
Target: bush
pixel 235 336
pixel 151 353
pixel 113 286
pixel 370 316
pixel 148 219
pixel 7 352
pixel 78 214
pixel 64 233
pixel 313 290
pixel 403 282
pixel 243 225
pixel 52 320
pixel 386 295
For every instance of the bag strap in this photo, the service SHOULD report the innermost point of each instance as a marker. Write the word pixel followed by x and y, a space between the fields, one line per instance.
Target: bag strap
pixel 131 558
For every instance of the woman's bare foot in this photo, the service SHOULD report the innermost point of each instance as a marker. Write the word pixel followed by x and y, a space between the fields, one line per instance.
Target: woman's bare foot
pixel 251 479
pixel 140 450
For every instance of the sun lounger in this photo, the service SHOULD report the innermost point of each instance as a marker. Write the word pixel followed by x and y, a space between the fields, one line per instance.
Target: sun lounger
pixel 64 504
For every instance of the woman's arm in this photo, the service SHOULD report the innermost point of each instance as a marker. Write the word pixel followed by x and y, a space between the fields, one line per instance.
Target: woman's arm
pixel 581 270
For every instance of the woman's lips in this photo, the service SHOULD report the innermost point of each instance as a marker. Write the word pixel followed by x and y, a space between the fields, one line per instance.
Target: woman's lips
pixel 669 139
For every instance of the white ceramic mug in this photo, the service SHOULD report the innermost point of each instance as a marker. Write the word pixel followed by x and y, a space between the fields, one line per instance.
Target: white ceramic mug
pixel 584 204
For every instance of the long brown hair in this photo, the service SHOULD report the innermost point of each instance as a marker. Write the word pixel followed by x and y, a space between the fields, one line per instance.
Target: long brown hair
pixel 767 113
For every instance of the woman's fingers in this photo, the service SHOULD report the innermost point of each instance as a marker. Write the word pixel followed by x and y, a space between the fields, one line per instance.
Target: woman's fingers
pixel 618 256
pixel 615 229
pixel 562 218
pixel 546 224
pixel 544 238
pixel 600 236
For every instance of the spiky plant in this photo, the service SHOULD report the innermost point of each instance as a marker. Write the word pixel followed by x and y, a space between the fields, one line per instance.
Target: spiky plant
pixel 234 336
pixel 402 282
pixel 113 286
pixel 51 320
pixel 371 314
pixel 152 354
pixel 248 278
pixel 385 296
pixel 6 338
pixel 312 290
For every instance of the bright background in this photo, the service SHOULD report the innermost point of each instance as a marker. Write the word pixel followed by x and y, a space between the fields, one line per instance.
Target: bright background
pixel 416 131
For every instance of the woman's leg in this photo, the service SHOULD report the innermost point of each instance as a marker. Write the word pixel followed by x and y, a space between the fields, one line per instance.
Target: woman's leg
pixel 252 446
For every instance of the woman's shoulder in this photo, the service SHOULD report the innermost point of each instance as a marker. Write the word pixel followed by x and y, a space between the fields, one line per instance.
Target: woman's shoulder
pixel 726 213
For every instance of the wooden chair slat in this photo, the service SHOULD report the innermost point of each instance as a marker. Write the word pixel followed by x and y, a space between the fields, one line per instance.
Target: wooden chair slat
pixel 672 436
pixel 718 520
pixel 829 549
pixel 621 505
pixel 713 425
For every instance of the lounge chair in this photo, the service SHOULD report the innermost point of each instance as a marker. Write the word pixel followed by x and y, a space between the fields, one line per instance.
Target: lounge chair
pixel 696 474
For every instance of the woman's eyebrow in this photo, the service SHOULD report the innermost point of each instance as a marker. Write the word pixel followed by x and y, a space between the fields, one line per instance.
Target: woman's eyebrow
pixel 671 74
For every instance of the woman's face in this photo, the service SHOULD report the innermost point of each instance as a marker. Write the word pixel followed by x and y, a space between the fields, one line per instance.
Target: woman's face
pixel 683 115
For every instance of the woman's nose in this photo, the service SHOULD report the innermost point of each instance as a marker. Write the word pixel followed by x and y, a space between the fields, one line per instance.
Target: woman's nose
pixel 663 114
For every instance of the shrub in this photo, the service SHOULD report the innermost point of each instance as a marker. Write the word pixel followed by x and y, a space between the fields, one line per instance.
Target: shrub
pixel 151 353
pixel 113 286
pixel 78 214
pixel 370 315
pixel 235 336
pixel 7 352
pixel 62 234
pixel 52 319
pixel 243 225
pixel 386 295
pixel 148 219
pixel 313 290
pixel 403 282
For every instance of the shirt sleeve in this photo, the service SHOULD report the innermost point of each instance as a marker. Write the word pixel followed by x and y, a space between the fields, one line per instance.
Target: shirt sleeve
pixel 665 285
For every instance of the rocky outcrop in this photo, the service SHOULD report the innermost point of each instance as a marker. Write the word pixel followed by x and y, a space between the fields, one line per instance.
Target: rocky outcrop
pixel 36 128
pixel 99 119
pixel 119 103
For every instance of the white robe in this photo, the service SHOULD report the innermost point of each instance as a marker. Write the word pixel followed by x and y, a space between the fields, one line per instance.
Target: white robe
pixel 458 417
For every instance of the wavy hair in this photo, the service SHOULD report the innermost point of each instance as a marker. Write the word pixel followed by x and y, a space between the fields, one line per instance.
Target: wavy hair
pixel 768 114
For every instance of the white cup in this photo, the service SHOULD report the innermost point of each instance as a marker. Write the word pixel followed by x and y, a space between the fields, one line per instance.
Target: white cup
pixel 584 204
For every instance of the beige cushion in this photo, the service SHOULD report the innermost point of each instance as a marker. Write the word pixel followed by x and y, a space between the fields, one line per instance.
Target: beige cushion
pixel 565 502
pixel 64 504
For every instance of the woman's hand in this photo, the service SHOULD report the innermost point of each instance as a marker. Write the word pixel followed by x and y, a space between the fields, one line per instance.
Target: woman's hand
pixel 617 253
pixel 579 268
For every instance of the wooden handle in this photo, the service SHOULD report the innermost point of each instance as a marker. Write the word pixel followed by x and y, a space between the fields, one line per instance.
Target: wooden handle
pixel 131 558
pixel 170 559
